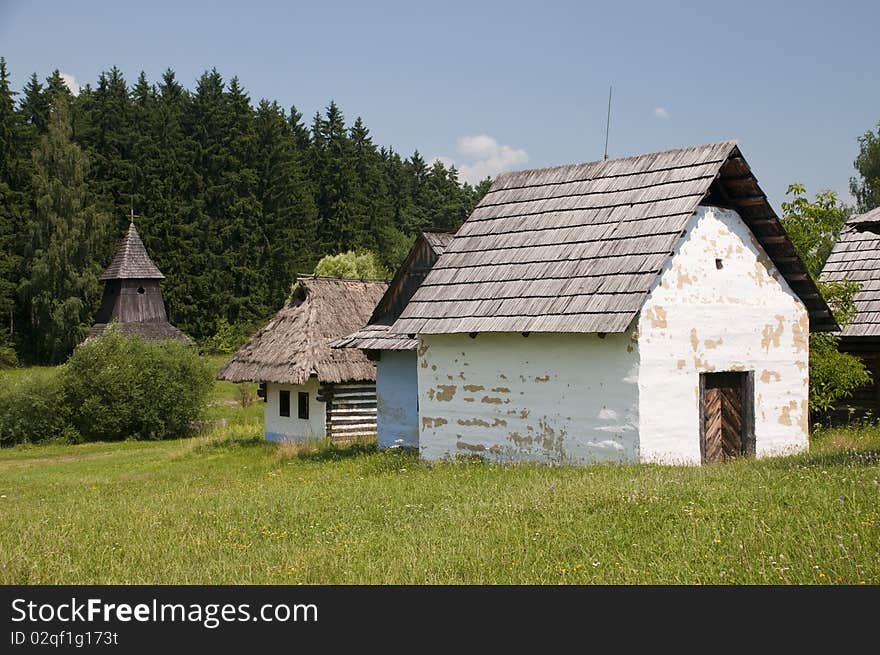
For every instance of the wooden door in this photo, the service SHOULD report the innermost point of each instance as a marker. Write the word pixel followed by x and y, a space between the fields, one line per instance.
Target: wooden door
pixel 726 416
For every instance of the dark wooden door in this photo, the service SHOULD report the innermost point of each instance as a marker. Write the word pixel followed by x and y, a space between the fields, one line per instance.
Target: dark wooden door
pixel 726 416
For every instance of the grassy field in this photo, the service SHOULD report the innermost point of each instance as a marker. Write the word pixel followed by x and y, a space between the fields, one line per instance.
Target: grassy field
pixel 228 508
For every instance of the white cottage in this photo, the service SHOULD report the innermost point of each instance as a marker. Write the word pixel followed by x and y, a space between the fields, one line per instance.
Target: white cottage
pixel 311 391
pixel 646 309
pixel 397 397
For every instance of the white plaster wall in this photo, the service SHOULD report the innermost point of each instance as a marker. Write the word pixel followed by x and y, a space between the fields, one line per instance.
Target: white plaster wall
pixel 742 317
pixel 397 399
pixel 565 398
pixel 292 428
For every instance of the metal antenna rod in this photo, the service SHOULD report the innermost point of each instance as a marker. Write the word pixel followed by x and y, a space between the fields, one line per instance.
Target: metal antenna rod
pixel 608 123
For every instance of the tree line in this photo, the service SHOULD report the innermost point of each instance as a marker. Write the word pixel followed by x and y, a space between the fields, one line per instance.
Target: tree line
pixel 233 200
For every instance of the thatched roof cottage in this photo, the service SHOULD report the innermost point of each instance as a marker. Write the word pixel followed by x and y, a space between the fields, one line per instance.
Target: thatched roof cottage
pixel 397 396
pixel 132 296
pixel 650 308
pixel 310 390
pixel 856 257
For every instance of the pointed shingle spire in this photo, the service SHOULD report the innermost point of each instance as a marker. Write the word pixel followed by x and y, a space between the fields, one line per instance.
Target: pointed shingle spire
pixel 131 260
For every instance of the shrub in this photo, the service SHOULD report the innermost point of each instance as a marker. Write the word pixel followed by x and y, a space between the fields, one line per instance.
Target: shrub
pixel 8 358
pixel 31 410
pixel 226 339
pixel 119 387
pixel 363 265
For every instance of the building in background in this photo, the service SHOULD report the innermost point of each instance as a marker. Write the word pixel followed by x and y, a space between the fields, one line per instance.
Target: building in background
pixel 397 394
pixel 856 257
pixel 132 299
pixel 311 391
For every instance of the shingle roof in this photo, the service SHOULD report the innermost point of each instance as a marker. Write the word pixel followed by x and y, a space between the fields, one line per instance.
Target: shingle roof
pixel 872 216
pixel 295 344
pixel 131 260
pixel 577 248
pixel 377 334
pixel 438 240
pixel 856 257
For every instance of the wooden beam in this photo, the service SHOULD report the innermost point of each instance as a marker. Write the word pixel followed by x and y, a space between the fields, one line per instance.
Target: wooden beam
pixel 750 201
pixel 737 178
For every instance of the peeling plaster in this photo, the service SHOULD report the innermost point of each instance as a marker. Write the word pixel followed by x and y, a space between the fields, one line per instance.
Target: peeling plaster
pixel 549 411
pixel 767 376
pixel 742 317
pixel 445 392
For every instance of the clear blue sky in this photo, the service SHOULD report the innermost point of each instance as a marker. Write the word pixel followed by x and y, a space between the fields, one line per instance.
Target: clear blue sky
pixel 795 83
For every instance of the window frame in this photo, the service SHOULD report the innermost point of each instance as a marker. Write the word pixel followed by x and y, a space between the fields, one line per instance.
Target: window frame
pixel 284 403
pixel 302 405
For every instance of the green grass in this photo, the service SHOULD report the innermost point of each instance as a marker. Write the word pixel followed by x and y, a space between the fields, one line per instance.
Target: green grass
pixel 225 402
pixel 229 508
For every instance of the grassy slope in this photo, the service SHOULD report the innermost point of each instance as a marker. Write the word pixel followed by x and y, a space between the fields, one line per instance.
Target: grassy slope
pixel 229 508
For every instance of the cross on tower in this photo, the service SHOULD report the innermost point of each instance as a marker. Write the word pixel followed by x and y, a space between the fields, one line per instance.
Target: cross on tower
pixel 132 215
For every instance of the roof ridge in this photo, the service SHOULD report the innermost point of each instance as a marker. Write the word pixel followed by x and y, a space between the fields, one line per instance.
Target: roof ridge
pixel 714 144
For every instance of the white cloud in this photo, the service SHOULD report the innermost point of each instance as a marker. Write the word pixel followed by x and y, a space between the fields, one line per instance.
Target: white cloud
pixel 481 156
pixel 71 83
pixel 661 112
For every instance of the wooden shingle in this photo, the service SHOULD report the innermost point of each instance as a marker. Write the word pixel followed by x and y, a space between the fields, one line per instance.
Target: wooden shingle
pixel 577 248
pixel 856 257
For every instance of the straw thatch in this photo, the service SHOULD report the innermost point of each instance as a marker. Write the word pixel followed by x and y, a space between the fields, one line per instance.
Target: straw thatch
pixel 294 345
pixel 856 257
pixel 577 248
pixel 377 334
pixel 131 261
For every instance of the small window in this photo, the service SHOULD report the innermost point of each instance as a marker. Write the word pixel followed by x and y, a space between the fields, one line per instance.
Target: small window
pixel 719 264
pixel 284 403
pixel 303 401
pixel 141 290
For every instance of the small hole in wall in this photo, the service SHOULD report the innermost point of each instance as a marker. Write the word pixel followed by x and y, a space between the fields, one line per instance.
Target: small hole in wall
pixel 141 290
pixel 473 335
pixel 719 264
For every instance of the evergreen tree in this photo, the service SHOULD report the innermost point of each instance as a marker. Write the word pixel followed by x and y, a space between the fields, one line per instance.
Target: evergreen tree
pixel 34 105
pixel 335 182
pixel 288 209
pixel 232 200
pixel 56 87
pixel 108 143
pixel 301 137
pixel 67 245
pixel 240 214
pixel 12 203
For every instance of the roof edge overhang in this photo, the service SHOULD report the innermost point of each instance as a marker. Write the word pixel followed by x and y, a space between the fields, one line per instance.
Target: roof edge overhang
pixel 736 187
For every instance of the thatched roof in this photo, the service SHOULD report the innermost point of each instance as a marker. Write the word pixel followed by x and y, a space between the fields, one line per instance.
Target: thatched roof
pixel 294 345
pixel 131 260
pixel 149 330
pixel 377 334
pixel 577 248
pixel 856 257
